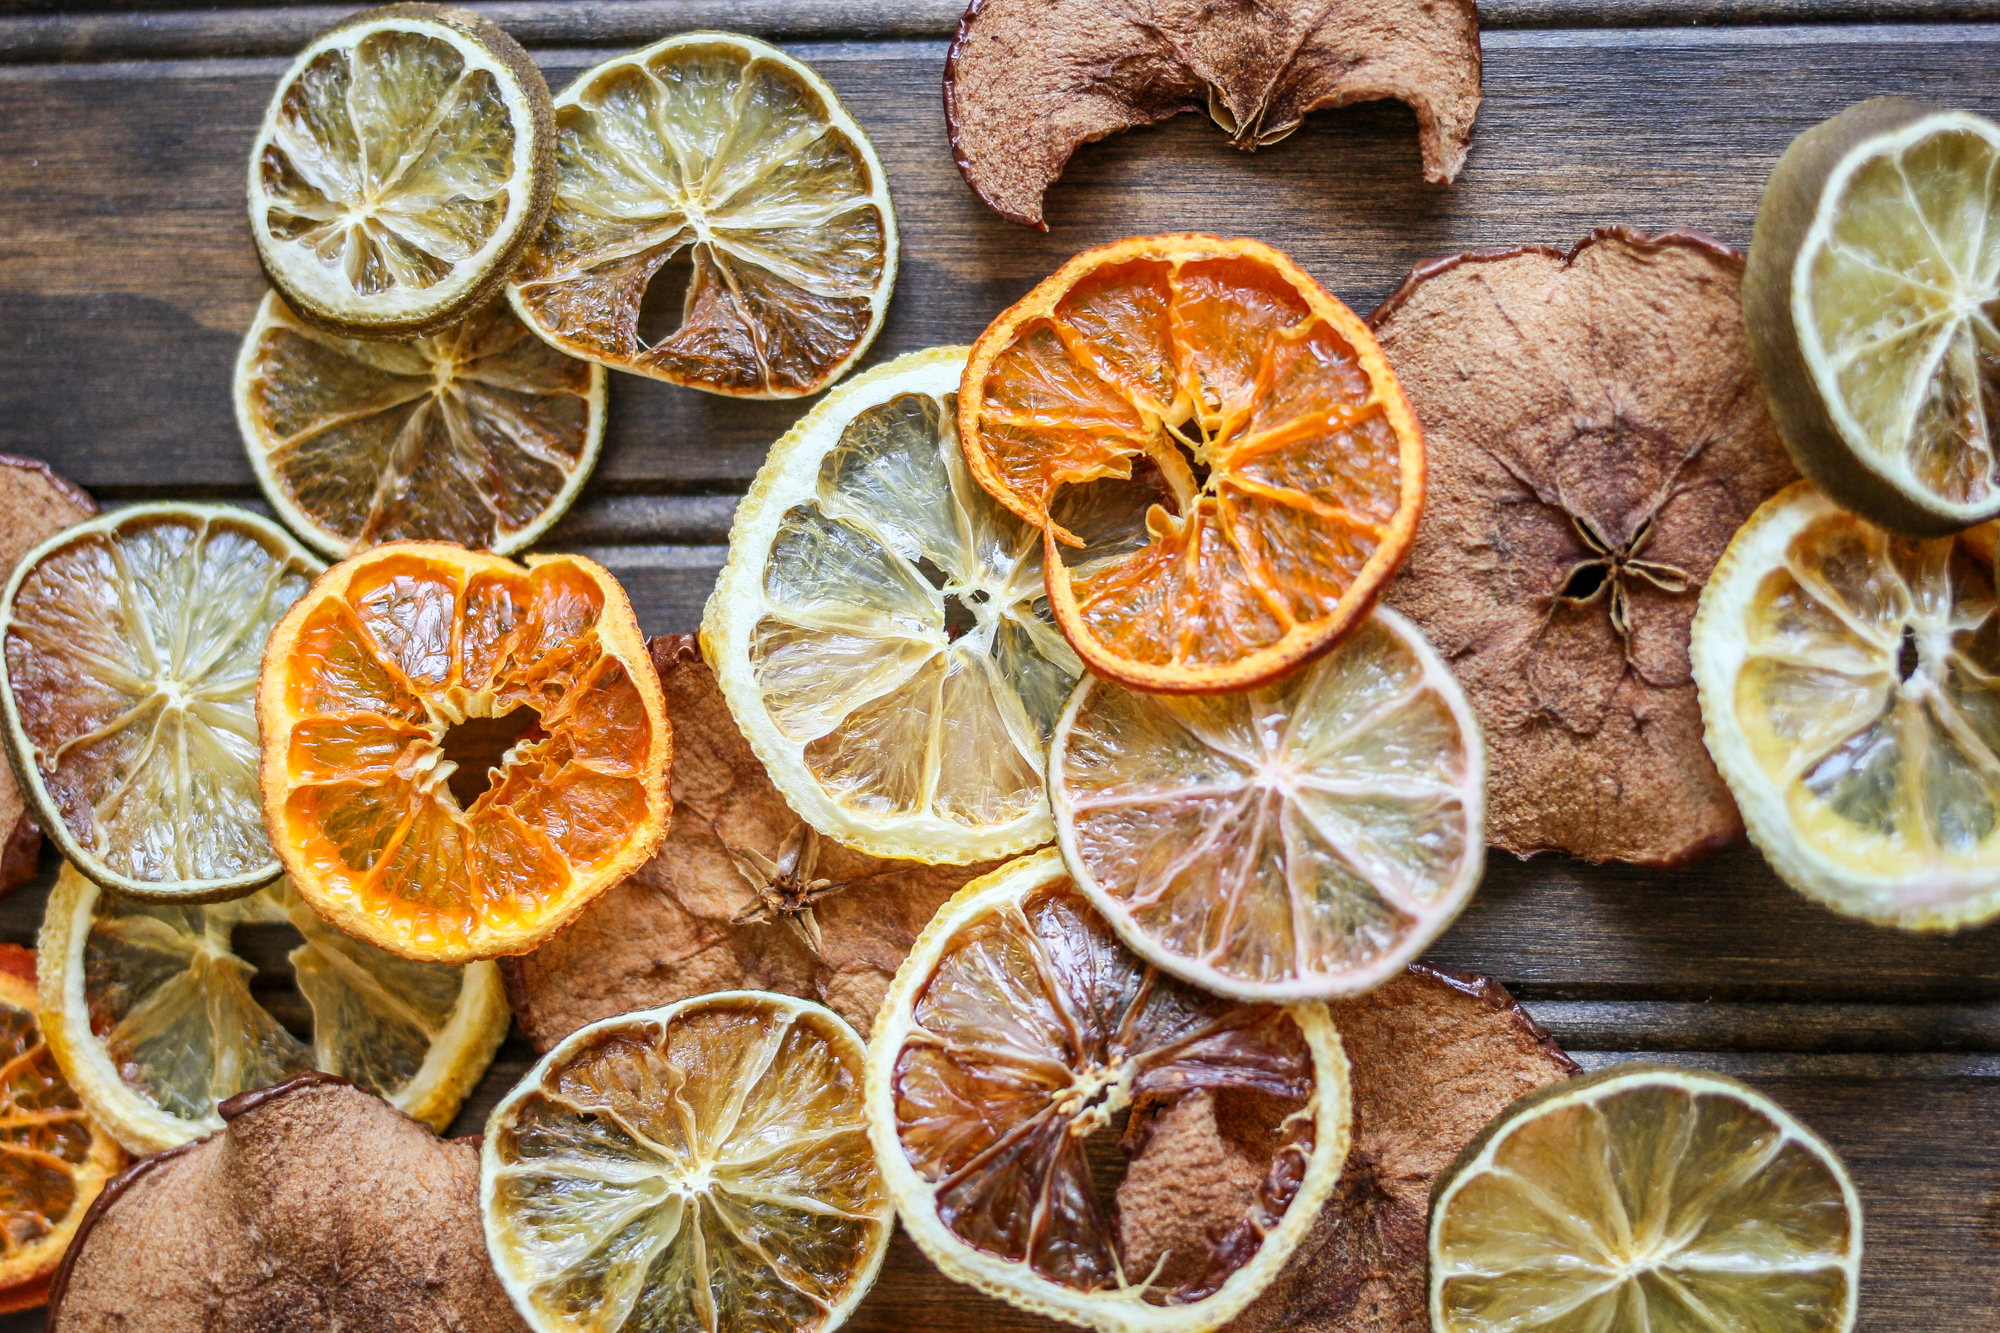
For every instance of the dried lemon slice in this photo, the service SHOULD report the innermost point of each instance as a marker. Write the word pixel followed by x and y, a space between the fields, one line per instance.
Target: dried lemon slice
pixel 700 1166
pixel 1872 302
pixel 1018 1037
pixel 132 647
pixel 1644 1197
pixel 881 629
pixel 149 1011
pixel 405 161
pixel 480 434
pixel 1306 839
pixel 1850 688
pixel 730 150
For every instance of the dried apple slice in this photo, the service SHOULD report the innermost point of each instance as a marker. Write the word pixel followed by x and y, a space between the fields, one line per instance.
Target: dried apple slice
pixel 1027 82
pixel 1595 434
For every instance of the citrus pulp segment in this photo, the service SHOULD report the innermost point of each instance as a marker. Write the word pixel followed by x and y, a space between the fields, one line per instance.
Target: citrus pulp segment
pixel 480 434
pixel 725 150
pixel 53 1159
pixel 1644 1196
pixel 459 752
pixel 700 1166
pixel 132 643
pixel 405 161
pixel 1289 466
pixel 150 1013
pixel 1850 687
pixel 1306 839
pixel 881 631
pixel 1873 306
pixel 1017 1031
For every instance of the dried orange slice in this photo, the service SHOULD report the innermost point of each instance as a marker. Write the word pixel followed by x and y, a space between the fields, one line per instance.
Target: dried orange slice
pixel 1293 461
pixel 459 752
pixel 1022 1047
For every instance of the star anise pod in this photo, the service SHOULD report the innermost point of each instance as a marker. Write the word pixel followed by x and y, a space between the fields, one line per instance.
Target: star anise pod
pixel 786 889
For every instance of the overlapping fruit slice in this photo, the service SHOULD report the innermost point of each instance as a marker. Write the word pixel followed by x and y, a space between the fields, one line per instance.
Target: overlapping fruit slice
pixel 1645 1197
pixel 53 1159
pixel 150 1011
pixel 1850 687
pixel 132 650
pixel 737 165
pixel 480 434
pixel 460 752
pixel 1294 467
pixel 406 159
pixel 700 1166
pixel 1019 1038
pixel 881 630
pixel 1307 838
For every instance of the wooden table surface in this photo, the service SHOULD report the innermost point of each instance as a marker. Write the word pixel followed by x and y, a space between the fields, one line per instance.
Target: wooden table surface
pixel 127 277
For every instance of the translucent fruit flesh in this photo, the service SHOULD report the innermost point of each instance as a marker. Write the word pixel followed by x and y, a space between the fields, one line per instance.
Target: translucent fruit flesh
pixel 727 152
pixel 1898 294
pixel 366 683
pixel 478 435
pixel 1675 1204
pixel 701 1167
pixel 1307 838
pixel 159 1023
pixel 133 644
pixel 1293 463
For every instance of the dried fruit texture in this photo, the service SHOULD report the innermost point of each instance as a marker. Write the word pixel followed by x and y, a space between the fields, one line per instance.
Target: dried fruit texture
pixel 317 1209
pixel 1434 1056
pixel 1029 81
pixel 35 503
pixel 1595 435
pixel 693 920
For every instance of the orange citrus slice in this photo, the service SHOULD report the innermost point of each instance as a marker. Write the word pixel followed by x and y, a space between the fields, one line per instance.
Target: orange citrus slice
pixel 459 753
pixel 1294 466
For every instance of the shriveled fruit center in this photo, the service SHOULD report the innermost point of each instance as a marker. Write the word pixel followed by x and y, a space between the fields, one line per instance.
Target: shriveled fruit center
pixel 1043 1051
pixel 43 1134
pixel 390 162
pixel 1871 695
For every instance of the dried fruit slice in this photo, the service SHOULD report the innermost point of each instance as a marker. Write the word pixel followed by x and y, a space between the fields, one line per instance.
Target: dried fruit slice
pixel 880 629
pixel 1435 1055
pixel 1018 1038
pixel 1850 681
pixel 701 1166
pixel 317 1210
pixel 1028 82
pixel 459 753
pixel 132 645
pixel 53 1159
pixel 1644 1196
pixel 150 1012
pixel 730 150
pixel 742 895
pixel 1163 351
pixel 1303 840
pixel 480 434
pixel 1873 307
pixel 406 160
pixel 1595 434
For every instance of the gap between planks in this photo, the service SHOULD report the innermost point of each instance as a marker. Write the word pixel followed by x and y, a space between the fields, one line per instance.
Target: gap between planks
pixel 28 36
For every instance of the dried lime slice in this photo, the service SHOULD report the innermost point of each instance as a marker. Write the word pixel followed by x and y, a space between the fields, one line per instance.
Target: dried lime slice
pixel 1872 303
pixel 1645 1197
pixel 405 161
pixel 132 646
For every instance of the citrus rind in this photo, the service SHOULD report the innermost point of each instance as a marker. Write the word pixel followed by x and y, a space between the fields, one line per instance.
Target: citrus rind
pixel 1251 746
pixel 1118 1309
pixel 1586 1090
pixel 192 702
pixel 1003 581
pixel 274 317
pixel 326 297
